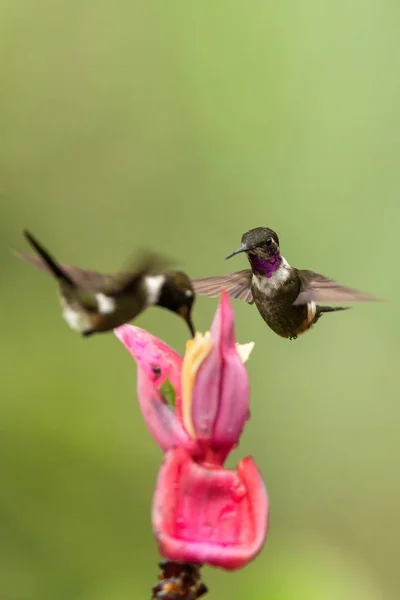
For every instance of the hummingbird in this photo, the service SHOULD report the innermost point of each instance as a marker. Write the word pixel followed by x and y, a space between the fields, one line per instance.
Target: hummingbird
pixel 287 298
pixel 93 302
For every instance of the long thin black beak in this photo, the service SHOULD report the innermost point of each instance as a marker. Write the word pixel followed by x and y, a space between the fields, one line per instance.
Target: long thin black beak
pixel 184 312
pixel 191 326
pixel 243 248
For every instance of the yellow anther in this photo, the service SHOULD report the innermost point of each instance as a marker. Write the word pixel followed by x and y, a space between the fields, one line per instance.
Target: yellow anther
pixel 197 350
pixel 244 351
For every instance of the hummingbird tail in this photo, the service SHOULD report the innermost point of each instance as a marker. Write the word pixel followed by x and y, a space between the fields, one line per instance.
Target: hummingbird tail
pixel 52 265
pixel 320 310
pixel 325 309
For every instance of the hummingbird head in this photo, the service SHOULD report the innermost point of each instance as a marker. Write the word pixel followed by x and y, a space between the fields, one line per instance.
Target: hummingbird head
pixel 177 295
pixel 260 242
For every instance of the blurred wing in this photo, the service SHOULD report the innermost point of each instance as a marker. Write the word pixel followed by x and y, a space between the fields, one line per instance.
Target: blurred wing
pixel 148 264
pixel 237 285
pixel 83 278
pixel 113 283
pixel 317 288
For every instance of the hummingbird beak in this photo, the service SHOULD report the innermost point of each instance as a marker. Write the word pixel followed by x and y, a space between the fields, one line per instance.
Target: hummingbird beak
pixel 243 248
pixel 185 314
pixel 191 326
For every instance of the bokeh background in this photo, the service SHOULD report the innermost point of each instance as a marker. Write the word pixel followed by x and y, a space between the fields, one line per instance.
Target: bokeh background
pixel 177 126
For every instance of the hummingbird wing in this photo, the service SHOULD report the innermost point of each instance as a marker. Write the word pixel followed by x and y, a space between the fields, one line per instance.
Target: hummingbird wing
pixel 86 295
pixel 127 283
pixel 237 285
pixel 79 277
pixel 318 288
pixel 111 283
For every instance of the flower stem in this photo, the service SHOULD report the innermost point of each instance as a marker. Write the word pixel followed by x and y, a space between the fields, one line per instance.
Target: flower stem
pixel 179 581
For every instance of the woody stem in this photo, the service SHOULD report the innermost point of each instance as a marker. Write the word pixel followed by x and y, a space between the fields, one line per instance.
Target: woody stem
pixel 179 581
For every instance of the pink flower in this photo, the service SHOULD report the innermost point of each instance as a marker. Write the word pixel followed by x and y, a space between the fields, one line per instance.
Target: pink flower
pixel 202 512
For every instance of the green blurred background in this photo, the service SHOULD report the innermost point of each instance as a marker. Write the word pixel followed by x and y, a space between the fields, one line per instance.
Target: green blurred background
pixel 177 126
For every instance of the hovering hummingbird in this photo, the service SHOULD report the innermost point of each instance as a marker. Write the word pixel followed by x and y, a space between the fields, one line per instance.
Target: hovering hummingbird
pixel 285 297
pixel 93 303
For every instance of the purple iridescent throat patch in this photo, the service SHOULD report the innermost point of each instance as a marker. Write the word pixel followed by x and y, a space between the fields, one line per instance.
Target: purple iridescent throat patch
pixel 263 266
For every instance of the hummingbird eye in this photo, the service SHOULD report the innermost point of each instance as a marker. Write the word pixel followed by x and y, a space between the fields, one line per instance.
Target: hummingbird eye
pixel 268 242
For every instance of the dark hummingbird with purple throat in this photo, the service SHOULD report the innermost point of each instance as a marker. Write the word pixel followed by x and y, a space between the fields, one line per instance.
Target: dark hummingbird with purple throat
pixel 93 302
pixel 287 298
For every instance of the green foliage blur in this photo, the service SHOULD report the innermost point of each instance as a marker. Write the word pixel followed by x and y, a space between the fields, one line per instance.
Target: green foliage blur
pixel 176 126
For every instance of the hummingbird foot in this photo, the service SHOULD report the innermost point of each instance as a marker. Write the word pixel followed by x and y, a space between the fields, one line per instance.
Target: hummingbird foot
pixel 88 332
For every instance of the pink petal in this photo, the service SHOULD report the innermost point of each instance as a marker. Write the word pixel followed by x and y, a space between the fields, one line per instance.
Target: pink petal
pixel 156 362
pixel 213 516
pixel 220 405
pixel 149 352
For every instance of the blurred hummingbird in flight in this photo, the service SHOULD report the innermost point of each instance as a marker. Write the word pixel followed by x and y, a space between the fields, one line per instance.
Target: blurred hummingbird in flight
pixel 93 302
pixel 287 298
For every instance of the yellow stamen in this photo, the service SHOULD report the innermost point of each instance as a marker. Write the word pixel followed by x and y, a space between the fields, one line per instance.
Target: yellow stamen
pixel 244 351
pixel 197 350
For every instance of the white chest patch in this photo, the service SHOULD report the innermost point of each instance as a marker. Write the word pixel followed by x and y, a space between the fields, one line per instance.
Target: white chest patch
pixel 78 321
pixel 153 285
pixel 269 285
pixel 105 304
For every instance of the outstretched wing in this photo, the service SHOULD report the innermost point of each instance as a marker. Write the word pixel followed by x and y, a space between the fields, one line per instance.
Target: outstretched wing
pixel 318 288
pixel 237 285
pixel 113 283
pixel 148 263
pixel 81 277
